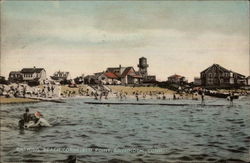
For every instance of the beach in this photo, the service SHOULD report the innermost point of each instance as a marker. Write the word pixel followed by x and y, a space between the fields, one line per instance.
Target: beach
pixel 4 100
pixel 40 93
pixel 88 91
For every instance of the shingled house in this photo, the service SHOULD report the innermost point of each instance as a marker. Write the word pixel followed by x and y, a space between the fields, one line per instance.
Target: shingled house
pixel 217 75
pixel 127 75
pixel 177 79
pixel 108 78
pixel 33 74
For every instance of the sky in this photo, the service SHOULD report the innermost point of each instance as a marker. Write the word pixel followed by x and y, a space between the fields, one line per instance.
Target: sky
pixel 84 37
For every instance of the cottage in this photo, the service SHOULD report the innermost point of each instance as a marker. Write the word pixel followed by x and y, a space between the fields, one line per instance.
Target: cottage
pixel 149 79
pixel 177 79
pixel 108 78
pixel 33 74
pixel 116 70
pixel 15 77
pixel 130 76
pixel 60 76
pixel 217 75
pixel 126 75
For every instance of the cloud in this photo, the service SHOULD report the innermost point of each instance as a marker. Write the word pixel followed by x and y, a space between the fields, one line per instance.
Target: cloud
pixel 86 37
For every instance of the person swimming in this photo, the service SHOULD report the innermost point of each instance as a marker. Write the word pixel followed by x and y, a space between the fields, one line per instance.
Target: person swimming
pixel 33 120
pixel 26 116
pixel 39 121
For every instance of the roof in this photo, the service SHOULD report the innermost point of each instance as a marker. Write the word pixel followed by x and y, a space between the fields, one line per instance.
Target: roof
pixel 217 66
pixel 175 76
pixel 97 74
pixel 134 74
pixel 111 69
pixel 90 76
pixel 126 71
pixel 111 75
pixel 221 69
pixel 61 72
pixel 32 70
pixel 15 72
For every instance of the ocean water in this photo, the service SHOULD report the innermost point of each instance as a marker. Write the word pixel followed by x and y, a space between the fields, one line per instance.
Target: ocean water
pixel 129 133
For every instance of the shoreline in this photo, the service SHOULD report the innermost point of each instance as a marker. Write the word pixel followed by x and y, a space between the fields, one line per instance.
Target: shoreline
pixel 116 91
pixel 18 100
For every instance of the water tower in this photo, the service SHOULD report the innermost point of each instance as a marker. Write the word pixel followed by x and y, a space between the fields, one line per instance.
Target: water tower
pixel 143 66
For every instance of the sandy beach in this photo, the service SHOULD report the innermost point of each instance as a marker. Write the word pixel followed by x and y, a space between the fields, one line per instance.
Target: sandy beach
pixel 4 100
pixel 116 90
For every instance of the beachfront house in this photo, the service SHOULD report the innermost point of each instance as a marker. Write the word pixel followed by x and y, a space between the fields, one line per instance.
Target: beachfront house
pixel 60 76
pixel 130 76
pixel 108 78
pixel 126 75
pixel 149 79
pixel 15 77
pixel 218 76
pixel 177 79
pixel 33 74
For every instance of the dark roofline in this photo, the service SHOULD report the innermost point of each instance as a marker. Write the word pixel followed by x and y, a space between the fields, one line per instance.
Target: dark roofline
pixel 222 69
pixel 32 70
pixel 218 66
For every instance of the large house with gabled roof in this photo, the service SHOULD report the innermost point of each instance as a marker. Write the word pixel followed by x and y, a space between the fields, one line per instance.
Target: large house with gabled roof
pixel 28 75
pixel 33 74
pixel 216 75
pixel 127 75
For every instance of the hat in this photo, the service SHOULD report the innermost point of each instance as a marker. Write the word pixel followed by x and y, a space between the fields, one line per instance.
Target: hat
pixel 38 114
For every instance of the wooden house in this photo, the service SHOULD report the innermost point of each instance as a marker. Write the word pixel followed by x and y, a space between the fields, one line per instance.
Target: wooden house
pixel 217 75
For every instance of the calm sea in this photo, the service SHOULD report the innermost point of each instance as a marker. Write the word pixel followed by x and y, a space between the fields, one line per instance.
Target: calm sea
pixel 101 133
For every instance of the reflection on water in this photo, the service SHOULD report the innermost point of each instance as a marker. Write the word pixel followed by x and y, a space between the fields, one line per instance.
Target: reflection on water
pixel 98 133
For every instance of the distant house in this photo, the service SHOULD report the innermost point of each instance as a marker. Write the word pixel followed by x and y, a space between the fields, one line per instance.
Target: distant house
pixel 130 76
pixel 197 81
pixel 33 74
pixel 108 78
pixel 60 76
pixel 15 77
pixel 149 78
pixel 217 75
pixel 127 75
pixel 177 79
pixel 116 70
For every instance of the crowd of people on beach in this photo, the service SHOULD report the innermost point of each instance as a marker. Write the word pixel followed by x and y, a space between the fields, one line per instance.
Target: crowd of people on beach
pixel 48 90
pixel 159 95
pixel 99 92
